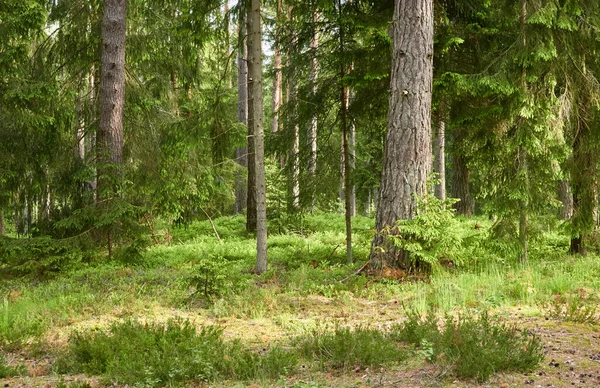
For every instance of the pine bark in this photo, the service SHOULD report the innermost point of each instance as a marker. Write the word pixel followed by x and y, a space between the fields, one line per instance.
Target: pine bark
pixel 278 77
pixel 313 129
pixel 439 156
pixel 241 153
pixel 251 215
pixel 258 129
pixel 407 154
pixel 112 94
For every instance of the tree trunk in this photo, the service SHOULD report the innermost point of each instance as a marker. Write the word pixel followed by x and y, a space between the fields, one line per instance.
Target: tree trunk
pixel 352 160
pixel 112 94
pixel 344 97
pixel 1 223
pixel 566 198
pixel 407 154
pixel 294 156
pixel 278 78
pixel 439 154
pixel 312 132
pixel 460 185
pixel 251 193
pixel 241 153
pixel 258 127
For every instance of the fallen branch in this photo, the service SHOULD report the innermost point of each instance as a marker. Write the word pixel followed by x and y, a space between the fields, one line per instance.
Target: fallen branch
pixel 213 225
pixel 357 272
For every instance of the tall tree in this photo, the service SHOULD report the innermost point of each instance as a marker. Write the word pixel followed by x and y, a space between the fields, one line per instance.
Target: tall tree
pixel 407 155
pixel 241 153
pixel 112 95
pixel 255 87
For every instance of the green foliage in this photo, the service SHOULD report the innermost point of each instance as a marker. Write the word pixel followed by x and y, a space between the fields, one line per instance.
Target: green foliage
pixel 434 236
pixel 42 256
pixel 573 309
pixel 157 355
pixel 8 371
pixel 18 324
pixel 345 348
pixel 474 346
pixel 214 276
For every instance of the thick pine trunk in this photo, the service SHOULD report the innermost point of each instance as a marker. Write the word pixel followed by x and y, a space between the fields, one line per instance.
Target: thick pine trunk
pixel 407 154
pixel 241 153
pixel 112 95
pixel 258 126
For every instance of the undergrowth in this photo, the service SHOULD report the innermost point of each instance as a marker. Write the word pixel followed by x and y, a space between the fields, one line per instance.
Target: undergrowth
pixel 474 346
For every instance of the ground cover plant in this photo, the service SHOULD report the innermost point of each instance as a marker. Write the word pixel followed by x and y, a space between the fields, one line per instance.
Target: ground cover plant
pixel 306 319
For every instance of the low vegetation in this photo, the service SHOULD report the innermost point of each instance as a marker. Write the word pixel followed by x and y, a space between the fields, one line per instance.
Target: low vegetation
pixel 193 310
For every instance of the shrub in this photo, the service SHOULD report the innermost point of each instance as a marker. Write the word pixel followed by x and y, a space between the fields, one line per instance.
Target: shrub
pixel 157 355
pixel 40 256
pixel 475 347
pixel 8 371
pixel 345 348
pixel 215 277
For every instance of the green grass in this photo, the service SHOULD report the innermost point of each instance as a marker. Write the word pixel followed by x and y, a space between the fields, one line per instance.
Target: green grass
pixel 200 277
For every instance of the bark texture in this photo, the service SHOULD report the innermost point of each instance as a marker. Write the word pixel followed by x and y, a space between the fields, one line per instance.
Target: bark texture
pixel 258 127
pixel 251 193
pixel 241 153
pixel 312 132
pixel 112 93
pixel 407 154
pixel 439 156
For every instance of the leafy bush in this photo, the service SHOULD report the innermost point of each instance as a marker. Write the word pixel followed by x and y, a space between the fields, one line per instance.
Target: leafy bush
pixel 346 348
pixel 475 347
pixel 156 355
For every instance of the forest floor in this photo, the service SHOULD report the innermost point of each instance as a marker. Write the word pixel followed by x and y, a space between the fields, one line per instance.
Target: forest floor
pixel 552 300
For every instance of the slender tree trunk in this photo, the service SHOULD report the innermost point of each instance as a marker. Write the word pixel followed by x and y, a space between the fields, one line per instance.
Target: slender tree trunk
pixel 294 156
pixel 278 77
pixel 90 139
pixel 112 94
pixel 251 209
pixel 258 126
pixel 241 153
pixel 523 154
pixel 439 157
pixel 407 154
pixel 227 45
pixel 352 157
pixel 313 129
pixel 344 97
pixel 1 223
